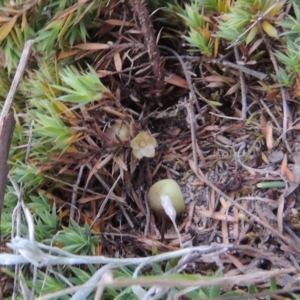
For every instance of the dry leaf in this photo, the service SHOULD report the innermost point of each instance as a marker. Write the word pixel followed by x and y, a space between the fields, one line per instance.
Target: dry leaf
pixel 269 29
pixel 290 176
pixel 283 165
pixel 277 7
pixel 65 54
pixel 267 131
pixel 217 216
pixel 118 22
pixel 90 199
pixel 272 94
pixel 222 139
pixel 120 162
pixel 280 208
pixel 177 81
pixel 265 158
pixel 251 35
pixel 255 46
pixel 6 28
pixel 269 135
pixel 92 46
pixel 215 78
pixel 118 62
pixel 225 232
pixel 4 19
pixel 67 11
pixel 296 126
pixel 233 89
pixel 215 85
pixel 87 9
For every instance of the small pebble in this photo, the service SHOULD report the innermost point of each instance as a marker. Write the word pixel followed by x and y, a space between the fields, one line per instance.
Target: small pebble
pixel 276 157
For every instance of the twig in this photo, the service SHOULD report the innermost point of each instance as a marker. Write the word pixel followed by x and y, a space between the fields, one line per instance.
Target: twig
pixel 16 222
pixel 253 73
pixel 105 201
pixel 226 117
pixel 191 118
pixel 29 144
pixel 16 81
pixel 253 277
pixel 75 193
pixel 187 77
pixel 270 113
pixel 7 124
pixel 34 254
pixel 141 12
pixel 147 225
pixel 243 86
pixel 191 213
pixel 125 214
pixel 285 107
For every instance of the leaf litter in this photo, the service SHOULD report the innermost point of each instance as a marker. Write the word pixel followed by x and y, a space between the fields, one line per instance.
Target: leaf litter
pixel 212 219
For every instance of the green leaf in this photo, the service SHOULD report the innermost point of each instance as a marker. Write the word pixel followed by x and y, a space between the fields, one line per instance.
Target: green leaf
pixel 156 268
pixel 273 284
pixel 171 264
pixel 271 184
pixel 297 296
pixel 81 275
pixel 204 293
pixel 252 289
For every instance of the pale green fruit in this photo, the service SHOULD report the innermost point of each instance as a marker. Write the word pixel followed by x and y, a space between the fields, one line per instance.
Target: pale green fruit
pixel 168 187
